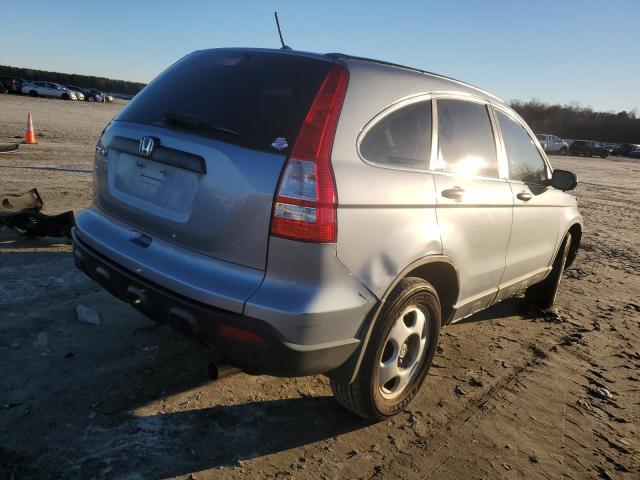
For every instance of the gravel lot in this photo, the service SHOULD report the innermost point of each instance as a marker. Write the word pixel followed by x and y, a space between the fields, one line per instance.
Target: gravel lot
pixel 130 399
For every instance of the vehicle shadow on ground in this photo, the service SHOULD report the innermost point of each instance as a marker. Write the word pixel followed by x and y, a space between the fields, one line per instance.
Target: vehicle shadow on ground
pixel 131 396
pixel 183 442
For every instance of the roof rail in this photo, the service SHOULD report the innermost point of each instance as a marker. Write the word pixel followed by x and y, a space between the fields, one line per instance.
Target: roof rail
pixel 390 64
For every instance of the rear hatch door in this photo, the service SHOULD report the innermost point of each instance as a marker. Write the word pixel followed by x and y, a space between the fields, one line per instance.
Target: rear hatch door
pixel 196 156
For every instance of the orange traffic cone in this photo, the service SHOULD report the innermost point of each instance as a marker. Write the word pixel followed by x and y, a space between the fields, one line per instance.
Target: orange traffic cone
pixel 29 135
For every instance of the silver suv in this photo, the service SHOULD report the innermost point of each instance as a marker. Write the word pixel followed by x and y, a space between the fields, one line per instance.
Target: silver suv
pixel 305 213
pixel 553 144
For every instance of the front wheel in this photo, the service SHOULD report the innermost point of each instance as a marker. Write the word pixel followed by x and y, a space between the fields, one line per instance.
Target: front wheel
pixel 65 96
pixel 543 294
pixel 563 151
pixel 398 355
pixel 33 93
pixel 92 98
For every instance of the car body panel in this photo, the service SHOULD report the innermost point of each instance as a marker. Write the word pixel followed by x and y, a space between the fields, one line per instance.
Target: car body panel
pixel 315 302
pixel 475 234
pixel 196 276
pixel 391 211
pixel 224 213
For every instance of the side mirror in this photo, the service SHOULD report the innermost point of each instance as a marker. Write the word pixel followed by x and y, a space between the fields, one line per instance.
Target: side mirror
pixel 564 180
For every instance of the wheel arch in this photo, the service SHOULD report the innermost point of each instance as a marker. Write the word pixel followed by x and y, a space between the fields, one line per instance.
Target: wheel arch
pixel 440 271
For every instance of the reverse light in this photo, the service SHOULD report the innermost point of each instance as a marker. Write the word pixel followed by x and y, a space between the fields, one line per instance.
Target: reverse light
pixel 305 205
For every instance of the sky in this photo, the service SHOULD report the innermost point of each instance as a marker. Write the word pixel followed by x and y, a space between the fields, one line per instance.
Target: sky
pixel 558 51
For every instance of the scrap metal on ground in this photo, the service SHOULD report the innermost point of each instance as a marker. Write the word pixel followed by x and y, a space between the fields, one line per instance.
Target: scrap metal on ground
pixel 9 147
pixel 21 212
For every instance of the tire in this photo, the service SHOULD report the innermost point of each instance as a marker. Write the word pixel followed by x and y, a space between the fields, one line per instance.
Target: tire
pixel 543 294
pixel 563 151
pixel 603 156
pixel 92 98
pixel 413 303
pixel 65 96
pixel 33 93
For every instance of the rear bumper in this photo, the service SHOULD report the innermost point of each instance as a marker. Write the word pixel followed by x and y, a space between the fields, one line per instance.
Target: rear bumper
pixel 266 351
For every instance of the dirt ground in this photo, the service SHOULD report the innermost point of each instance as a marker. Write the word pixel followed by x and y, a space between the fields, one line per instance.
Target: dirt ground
pixel 511 394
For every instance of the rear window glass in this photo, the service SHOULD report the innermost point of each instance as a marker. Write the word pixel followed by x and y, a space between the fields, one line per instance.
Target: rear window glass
pixel 250 98
pixel 402 138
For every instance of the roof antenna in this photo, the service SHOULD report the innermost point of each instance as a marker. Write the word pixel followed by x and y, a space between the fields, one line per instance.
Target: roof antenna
pixel 284 47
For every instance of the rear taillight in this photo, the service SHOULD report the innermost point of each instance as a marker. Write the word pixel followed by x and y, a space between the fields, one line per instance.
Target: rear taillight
pixel 305 205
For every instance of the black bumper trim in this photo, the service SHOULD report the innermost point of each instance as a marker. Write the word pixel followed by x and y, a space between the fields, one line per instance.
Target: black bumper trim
pixel 275 357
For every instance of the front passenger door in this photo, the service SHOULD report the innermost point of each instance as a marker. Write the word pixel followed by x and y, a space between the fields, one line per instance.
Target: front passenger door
pixel 537 209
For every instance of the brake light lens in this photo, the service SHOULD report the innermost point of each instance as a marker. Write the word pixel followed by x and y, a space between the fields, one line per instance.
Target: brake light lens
pixel 305 205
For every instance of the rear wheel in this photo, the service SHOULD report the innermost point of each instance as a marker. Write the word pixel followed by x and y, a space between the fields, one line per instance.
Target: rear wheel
pixel 65 96
pixel 92 98
pixel 543 294
pixel 398 355
pixel 563 151
pixel 33 93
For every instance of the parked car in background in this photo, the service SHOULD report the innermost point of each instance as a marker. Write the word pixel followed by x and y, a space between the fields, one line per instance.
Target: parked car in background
pixel 105 96
pixel 553 144
pixel 588 149
pixel 623 149
pixel 609 147
pixel 635 152
pixel 78 92
pixel 235 209
pixel 48 89
pixel 95 95
pixel 90 95
pixel 12 84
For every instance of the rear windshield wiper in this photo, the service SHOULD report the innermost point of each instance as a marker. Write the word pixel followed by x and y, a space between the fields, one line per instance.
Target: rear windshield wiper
pixel 195 123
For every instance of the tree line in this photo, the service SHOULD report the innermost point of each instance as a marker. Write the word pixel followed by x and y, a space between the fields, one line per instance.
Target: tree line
pixel 578 122
pixel 88 81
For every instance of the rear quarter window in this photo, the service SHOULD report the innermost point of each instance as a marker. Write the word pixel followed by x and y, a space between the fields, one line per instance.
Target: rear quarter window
pixel 402 138
pixel 258 99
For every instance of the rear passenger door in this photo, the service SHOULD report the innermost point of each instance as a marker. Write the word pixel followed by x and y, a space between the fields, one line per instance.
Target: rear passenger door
pixel 536 212
pixel 474 204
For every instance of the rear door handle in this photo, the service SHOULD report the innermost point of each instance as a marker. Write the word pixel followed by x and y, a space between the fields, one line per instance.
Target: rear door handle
pixel 524 196
pixel 454 193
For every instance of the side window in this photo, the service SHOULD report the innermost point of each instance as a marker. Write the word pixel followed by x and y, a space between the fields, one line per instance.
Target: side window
pixel 401 138
pixel 525 162
pixel 465 139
